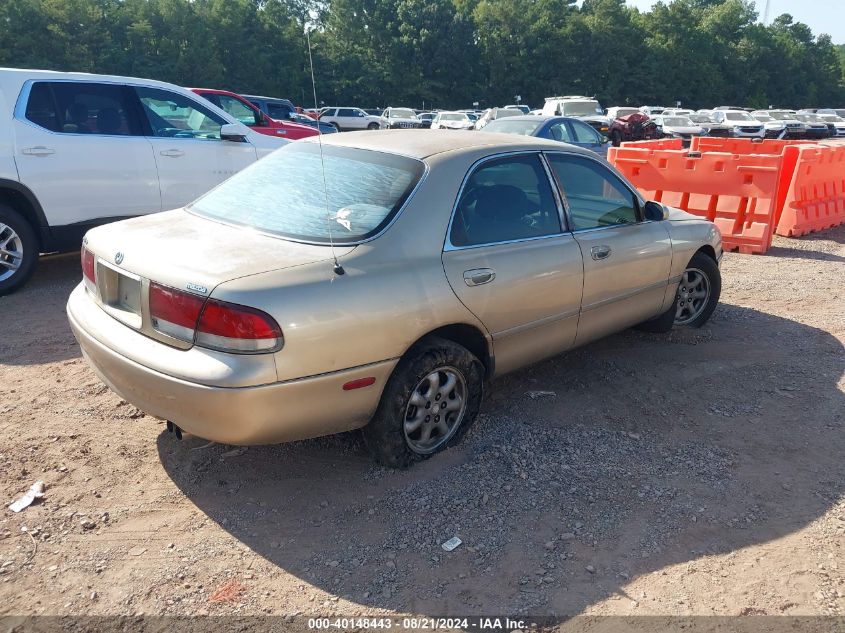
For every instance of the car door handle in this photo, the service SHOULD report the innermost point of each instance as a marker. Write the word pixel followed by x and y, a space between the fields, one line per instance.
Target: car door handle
pixel 38 151
pixel 172 153
pixel 479 276
pixel 281 132
pixel 600 252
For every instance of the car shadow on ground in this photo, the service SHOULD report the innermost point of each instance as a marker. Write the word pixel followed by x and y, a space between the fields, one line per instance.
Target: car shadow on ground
pixel 49 290
pixel 634 453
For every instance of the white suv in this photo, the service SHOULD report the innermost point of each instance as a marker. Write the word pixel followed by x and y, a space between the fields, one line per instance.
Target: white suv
pixel 77 150
pixel 352 119
pixel 741 124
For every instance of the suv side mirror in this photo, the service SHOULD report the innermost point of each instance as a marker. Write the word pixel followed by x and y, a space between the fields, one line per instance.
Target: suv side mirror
pixel 232 132
pixel 655 211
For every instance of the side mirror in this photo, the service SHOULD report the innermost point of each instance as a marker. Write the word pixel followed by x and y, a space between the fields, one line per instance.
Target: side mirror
pixel 655 211
pixel 604 139
pixel 232 132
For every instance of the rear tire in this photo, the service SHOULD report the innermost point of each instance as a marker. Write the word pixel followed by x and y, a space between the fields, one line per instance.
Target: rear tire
pixel 18 250
pixel 436 379
pixel 335 126
pixel 373 126
pixel 700 276
pixel 616 138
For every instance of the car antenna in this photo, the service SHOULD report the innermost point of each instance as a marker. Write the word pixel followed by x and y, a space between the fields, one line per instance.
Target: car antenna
pixel 338 269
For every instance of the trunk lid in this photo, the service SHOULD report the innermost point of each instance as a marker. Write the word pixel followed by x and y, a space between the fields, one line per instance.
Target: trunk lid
pixel 189 252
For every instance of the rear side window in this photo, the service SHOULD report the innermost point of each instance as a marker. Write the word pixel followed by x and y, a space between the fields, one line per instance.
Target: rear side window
pixel 504 200
pixel 41 109
pixel 283 193
pixel 173 115
pixel 347 112
pixel 72 107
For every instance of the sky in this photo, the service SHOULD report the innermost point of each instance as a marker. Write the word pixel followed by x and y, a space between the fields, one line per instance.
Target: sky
pixel 822 16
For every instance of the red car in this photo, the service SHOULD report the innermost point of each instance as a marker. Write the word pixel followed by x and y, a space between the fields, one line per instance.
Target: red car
pixel 249 115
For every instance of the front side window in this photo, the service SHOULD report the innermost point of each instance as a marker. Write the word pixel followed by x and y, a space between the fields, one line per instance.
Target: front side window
pixel 279 111
pixel 560 132
pixel 283 194
pixel 596 197
pixel 584 133
pixel 239 110
pixel 74 107
pixel 172 115
pixel 504 200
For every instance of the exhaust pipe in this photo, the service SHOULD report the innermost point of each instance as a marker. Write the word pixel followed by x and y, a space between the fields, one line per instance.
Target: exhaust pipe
pixel 174 428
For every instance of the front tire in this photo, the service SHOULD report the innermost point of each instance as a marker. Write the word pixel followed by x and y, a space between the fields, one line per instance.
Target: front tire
pixel 428 404
pixel 698 291
pixel 18 250
pixel 373 126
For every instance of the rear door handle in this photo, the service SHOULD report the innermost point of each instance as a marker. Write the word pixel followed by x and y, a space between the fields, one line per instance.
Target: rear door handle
pixel 479 276
pixel 600 252
pixel 172 153
pixel 38 151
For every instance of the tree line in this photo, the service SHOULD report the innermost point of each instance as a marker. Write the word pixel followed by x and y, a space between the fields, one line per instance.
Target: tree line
pixel 438 53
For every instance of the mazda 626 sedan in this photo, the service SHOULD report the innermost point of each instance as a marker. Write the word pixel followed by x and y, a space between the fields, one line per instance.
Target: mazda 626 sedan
pixel 274 309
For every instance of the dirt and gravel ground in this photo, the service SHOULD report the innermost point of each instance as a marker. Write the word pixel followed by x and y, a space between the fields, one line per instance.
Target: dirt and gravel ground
pixel 700 472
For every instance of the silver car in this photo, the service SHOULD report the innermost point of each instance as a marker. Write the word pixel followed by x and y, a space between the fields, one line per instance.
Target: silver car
pixel 272 309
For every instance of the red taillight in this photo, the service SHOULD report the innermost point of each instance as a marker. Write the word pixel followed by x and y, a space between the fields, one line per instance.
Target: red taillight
pixel 235 328
pixel 174 312
pixel 87 258
pixel 213 324
pixel 89 274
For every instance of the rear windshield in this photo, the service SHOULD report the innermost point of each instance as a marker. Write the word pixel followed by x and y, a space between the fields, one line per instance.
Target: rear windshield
pixel 525 128
pixel 283 194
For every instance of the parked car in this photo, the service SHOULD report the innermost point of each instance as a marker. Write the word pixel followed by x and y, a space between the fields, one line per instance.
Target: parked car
pixel 248 114
pixel 352 119
pixel 712 128
pixel 426 118
pixel 779 124
pixel 814 127
pixel 837 122
pixel 396 118
pixel 521 107
pixel 677 112
pixel 492 114
pixel 284 110
pixel 617 112
pixel 77 150
pixel 545 248
pixel 840 112
pixel 584 108
pixel 652 110
pixel 681 127
pixel 742 124
pixel 555 128
pixel 635 126
pixel 451 121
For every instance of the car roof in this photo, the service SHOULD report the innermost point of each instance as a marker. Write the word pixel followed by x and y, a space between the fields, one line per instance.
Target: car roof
pixel 542 118
pixel 24 74
pixel 421 144
pixel 267 98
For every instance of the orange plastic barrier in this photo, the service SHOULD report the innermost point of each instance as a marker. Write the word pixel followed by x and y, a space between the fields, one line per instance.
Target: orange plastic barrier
pixel 815 196
pixel 740 145
pixel 663 143
pixel 736 192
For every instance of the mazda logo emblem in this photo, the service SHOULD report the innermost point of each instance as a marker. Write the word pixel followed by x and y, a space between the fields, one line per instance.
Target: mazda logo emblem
pixel 118 258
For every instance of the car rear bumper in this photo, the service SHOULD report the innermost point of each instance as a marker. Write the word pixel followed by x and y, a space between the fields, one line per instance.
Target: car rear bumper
pixel 263 414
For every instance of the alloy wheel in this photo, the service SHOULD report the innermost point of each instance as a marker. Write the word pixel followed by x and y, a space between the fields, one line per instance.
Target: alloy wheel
pixel 11 251
pixel 693 294
pixel 435 410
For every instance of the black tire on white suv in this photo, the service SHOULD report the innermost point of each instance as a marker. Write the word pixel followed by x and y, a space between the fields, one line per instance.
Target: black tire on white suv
pixel 18 250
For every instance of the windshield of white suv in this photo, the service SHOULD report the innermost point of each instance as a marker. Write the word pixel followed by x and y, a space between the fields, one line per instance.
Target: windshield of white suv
pixel 778 115
pixel 580 108
pixel 678 121
pixel 402 113
pixel 832 118
pixel 738 116
pixel 808 118
pixel 762 116
pixel 699 118
pixel 509 126
pixel 620 112
pixel 454 116
pixel 283 193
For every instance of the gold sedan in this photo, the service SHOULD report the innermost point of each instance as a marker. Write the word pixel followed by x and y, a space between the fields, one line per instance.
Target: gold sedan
pixel 379 281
